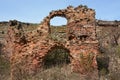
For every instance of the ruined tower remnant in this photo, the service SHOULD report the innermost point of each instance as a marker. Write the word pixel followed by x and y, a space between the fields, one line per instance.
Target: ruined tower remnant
pixel 29 50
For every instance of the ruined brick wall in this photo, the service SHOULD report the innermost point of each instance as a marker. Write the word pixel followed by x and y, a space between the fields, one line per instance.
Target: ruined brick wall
pixel 29 50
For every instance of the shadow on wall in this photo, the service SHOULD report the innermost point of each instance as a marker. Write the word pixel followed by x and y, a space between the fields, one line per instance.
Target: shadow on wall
pixel 1 46
pixel 57 56
pixel 103 65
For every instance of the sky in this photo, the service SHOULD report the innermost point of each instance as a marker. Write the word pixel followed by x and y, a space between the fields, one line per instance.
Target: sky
pixel 34 11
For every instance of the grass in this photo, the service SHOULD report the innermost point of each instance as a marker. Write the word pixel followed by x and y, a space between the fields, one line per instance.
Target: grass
pixel 4 69
pixel 86 62
pixel 118 51
pixel 57 73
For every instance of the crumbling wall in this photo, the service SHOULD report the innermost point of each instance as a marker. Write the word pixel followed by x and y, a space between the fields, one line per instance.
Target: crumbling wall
pixel 29 50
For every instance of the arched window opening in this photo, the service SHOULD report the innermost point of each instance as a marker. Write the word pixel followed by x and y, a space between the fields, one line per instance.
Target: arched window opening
pixel 58 21
pixel 58 28
pixel 57 56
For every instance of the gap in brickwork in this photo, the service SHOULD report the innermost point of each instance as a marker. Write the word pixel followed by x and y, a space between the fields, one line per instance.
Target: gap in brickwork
pixel 57 56
pixel 58 21
pixel 58 28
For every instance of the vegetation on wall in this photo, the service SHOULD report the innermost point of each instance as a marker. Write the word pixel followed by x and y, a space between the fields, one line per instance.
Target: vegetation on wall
pixel 58 56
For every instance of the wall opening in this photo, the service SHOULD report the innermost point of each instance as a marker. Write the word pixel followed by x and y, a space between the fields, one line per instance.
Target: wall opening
pixel 58 28
pixel 57 56
pixel 58 21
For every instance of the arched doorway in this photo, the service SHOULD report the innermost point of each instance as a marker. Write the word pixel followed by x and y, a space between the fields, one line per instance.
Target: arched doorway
pixel 58 28
pixel 57 56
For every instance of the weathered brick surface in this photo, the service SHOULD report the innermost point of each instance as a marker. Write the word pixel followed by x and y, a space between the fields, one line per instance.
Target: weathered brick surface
pixel 28 50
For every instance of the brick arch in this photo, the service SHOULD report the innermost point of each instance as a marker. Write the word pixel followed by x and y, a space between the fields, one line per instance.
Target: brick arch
pixel 45 24
pixel 57 15
pixel 53 14
pixel 60 55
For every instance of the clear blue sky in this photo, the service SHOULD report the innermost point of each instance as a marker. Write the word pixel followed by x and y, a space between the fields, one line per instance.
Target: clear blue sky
pixel 35 10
